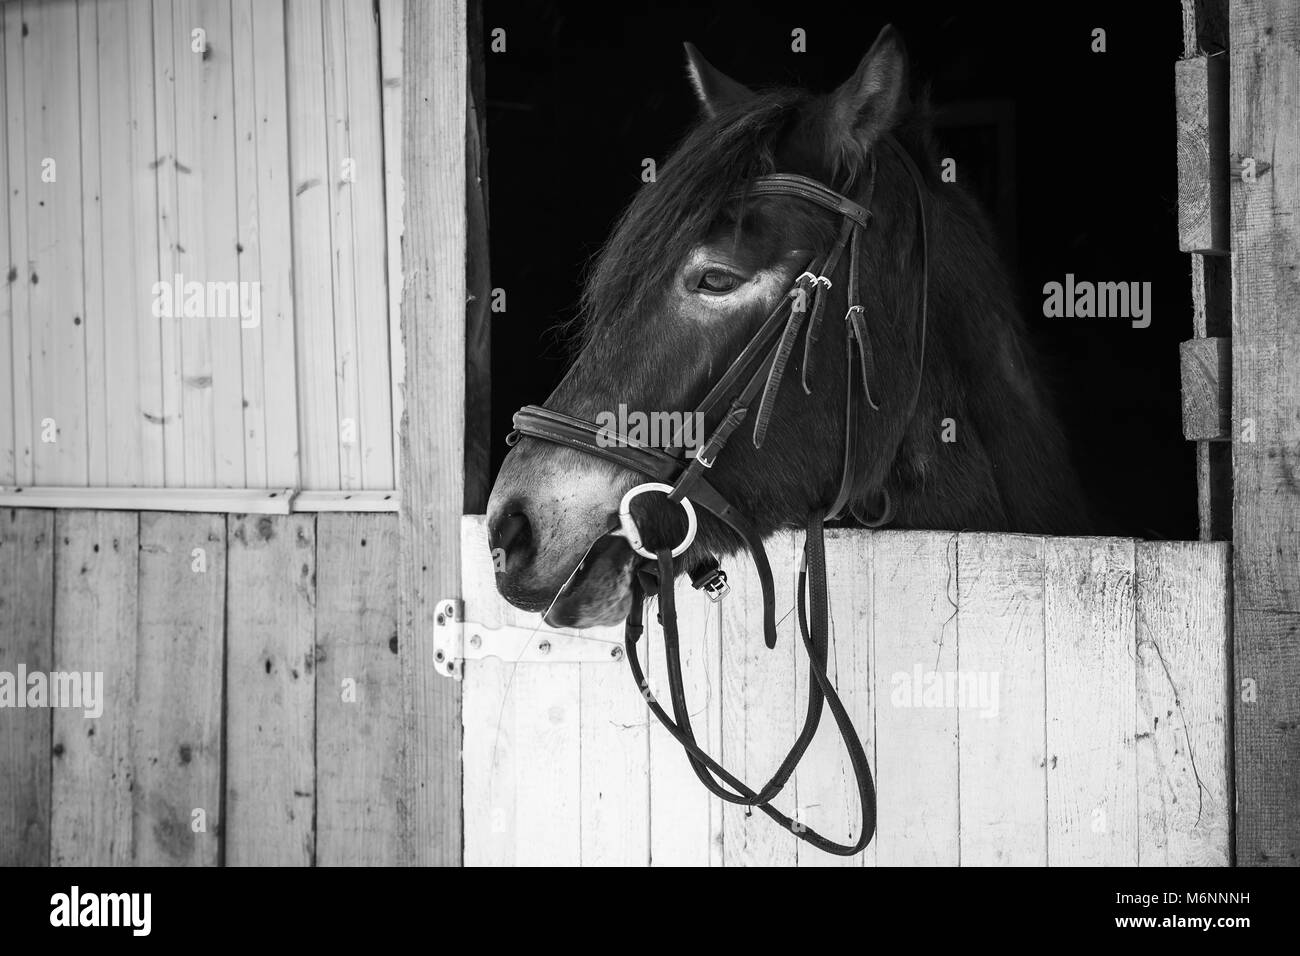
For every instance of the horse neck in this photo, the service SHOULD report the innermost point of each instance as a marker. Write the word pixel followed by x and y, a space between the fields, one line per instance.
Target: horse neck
pixel 984 449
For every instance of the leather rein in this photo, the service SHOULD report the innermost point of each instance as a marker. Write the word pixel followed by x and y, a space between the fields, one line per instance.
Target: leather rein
pixel 751 384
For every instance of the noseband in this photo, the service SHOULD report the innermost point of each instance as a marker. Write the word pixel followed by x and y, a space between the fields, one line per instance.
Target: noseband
pixel 751 383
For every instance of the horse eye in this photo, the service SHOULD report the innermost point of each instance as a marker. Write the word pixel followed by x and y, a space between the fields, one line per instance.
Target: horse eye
pixel 716 282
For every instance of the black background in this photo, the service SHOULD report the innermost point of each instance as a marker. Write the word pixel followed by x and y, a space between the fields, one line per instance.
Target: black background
pixel 584 93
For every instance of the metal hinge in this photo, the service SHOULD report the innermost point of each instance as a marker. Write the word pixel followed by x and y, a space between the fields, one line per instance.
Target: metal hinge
pixel 456 641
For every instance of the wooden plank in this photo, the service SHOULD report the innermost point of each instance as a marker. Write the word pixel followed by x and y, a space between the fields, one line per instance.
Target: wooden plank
pixel 126 338
pixel 1201 91
pixel 685 820
pixel 96 555
pixel 347 501
pixel 1089 629
pixel 1003 774
pixel 760 717
pixel 177 743
pixel 248 225
pixel 313 297
pixel 915 636
pixel 1214 490
pixel 614 758
pixel 1207 389
pixel 1183 760
pixel 18 270
pixel 26 640
pixel 522 770
pixel 828 800
pixel 1212 316
pixel 390 59
pixel 358 701
pixel 207 237
pixel 55 250
pixel 150 470
pixel 490 747
pixel 8 435
pixel 338 148
pixel 369 235
pixel 432 480
pixel 1265 126
pixel 171 358
pixel 270 658
pixel 92 265
pixel 274 244
pixel 253 501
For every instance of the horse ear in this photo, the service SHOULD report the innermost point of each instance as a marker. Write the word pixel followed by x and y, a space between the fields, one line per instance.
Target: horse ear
pixel 715 89
pixel 871 102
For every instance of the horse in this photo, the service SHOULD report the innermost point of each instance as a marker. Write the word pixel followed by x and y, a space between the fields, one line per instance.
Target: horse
pixel 961 434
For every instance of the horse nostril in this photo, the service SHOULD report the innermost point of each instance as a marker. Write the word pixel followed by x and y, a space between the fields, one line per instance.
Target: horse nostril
pixel 509 537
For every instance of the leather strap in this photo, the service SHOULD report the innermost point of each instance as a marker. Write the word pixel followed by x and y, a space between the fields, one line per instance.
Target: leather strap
pixel 821 691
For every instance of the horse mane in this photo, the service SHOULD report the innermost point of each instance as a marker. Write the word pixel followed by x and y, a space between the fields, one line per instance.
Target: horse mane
pixel 677 209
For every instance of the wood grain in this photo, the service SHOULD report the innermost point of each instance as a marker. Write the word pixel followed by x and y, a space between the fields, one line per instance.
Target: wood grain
pixel 433 474
pixel 685 819
pixel 1201 91
pixel 1183 760
pixel 1003 770
pixel 178 743
pixel 54 254
pixel 760 713
pixel 95 571
pixel 26 640
pixel 1207 389
pixel 313 295
pixel 915 628
pixel 828 797
pixel 358 723
pixel 1265 104
pixel 1089 628
pixel 270 696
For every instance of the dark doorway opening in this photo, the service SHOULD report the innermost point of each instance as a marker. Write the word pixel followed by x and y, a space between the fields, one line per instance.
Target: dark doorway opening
pixel 1071 151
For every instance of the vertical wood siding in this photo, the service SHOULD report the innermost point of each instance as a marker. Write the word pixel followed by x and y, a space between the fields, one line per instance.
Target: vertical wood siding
pixel 251 707
pixel 1104 740
pixel 257 151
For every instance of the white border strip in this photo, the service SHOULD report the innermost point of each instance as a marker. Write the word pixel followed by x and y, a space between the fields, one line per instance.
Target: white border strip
pixel 269 501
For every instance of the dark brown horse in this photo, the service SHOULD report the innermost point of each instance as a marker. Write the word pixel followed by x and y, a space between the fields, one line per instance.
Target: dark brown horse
pixel 686 278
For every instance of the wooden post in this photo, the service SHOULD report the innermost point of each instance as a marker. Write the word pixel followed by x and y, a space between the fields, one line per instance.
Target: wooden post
pixel 1201 89
pixel 434 85
pixel 1265 145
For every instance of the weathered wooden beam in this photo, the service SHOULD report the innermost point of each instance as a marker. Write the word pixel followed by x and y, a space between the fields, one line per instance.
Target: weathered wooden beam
pixel 1207 389
pixel 1201 88
pixel 434 80
pixel 1265 98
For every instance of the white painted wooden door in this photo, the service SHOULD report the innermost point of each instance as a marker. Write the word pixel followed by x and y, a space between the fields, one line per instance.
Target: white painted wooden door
pixel 1022 700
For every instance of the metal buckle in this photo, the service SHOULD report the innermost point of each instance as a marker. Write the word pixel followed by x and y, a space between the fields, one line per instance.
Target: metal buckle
pixel 816 280
pixel 629 530
pixel 715 585
pixel 706 462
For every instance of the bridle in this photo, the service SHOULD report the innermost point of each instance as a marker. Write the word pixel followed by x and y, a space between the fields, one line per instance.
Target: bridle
pixel 755 376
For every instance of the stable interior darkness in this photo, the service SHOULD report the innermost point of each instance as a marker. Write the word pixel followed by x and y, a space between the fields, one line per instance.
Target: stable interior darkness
pixel 1072 154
